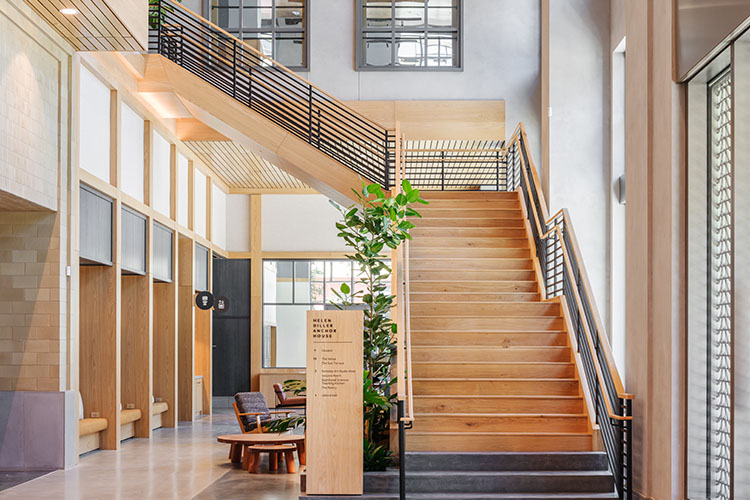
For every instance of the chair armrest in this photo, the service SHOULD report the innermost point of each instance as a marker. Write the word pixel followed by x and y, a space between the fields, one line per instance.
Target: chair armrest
pixel 252 413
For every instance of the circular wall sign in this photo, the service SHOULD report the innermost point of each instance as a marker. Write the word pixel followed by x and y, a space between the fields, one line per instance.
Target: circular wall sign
pixel 221 304
pixel 204 300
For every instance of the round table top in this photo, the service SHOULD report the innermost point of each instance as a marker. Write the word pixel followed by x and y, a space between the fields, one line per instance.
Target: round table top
pixel 261 438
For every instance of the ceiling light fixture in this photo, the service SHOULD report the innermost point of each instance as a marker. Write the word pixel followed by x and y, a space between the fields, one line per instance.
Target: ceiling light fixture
pixel 68 11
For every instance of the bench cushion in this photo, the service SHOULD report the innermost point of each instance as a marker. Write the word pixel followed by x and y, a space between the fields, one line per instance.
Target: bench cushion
pixel 159 407
pixel 88 426
pixel 127 416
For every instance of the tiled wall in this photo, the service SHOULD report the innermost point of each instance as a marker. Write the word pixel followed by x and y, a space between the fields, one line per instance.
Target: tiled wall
pixel 30 305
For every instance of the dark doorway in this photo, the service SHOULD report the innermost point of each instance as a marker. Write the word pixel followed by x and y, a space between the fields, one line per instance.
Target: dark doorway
pixel 231 338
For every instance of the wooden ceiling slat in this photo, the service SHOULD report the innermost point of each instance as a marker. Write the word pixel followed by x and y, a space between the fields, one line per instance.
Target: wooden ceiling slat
pixel 99 21
pixel 77 24
pixel 51 18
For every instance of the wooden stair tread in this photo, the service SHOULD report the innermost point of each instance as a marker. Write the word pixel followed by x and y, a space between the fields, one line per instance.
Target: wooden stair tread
pixel 520 415
pixel 511 433
pixel 499 396
pixel 531 363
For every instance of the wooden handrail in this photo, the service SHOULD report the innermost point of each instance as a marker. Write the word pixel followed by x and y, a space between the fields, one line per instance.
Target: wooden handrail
pixel 545 233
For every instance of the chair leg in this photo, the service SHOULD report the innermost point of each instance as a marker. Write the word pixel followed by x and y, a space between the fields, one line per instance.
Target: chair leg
pixel 301 453
pixel 290 467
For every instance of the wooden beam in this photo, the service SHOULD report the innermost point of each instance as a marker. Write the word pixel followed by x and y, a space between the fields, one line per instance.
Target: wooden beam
pixel 165 341
pixel 256 291
pixel 186 328
pixel 135 374
pixel 190 129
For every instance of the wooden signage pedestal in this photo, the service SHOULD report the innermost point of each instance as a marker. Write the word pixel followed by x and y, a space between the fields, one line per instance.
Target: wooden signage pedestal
pixel 334 403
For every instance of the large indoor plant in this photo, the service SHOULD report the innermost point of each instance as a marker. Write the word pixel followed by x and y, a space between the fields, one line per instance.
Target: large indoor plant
pixel 369 227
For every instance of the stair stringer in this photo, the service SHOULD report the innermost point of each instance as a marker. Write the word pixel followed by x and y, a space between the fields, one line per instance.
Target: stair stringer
pixel 249 128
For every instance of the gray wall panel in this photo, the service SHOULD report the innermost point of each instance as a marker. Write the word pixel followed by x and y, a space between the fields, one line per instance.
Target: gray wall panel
pixel 96 227
pixel 201 268
pixel 133 241
pixel 161 261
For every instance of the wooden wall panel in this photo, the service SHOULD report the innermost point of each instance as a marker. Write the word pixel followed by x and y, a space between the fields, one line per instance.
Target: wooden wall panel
pixel 136 362
pixel 99 349
pixel 203 355
pixel 185 328
pixel 165 349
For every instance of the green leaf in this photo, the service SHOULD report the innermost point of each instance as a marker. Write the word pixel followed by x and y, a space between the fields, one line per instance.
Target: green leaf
pixel 413 196
pixel 345 288
pixel 401 199
pixel 373 188
pixel 406 185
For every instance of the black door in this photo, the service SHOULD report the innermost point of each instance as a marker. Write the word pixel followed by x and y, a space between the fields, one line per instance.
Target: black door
pixel 231 353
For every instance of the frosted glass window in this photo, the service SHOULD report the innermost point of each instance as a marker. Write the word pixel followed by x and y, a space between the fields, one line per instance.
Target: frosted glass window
pixel 161 174
pixel 131 152
pixel 182 190
pixel 95 125
pixel 218 216
pixel 199 197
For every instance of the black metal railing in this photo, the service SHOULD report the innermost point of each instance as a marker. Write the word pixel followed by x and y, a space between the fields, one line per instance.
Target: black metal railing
pixel 270 89
pixel 553 241
pixel 456 169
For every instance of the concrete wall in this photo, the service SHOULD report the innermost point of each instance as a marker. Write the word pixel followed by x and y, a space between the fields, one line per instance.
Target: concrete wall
pixel 579 129
pixel 299 223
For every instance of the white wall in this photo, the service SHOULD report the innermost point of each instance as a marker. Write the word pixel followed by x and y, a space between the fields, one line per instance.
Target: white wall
pixel 94 125
pixel 182 190
pixel 131 152
pixel 238 225
pixel 579 130
pixel 161 174
pixel 501 60
pixel 199 203
pixel 218 216
pixel 299 223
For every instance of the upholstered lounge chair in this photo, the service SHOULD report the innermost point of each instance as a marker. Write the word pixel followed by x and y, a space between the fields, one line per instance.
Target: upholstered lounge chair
pixel 252 411
pixel 285 401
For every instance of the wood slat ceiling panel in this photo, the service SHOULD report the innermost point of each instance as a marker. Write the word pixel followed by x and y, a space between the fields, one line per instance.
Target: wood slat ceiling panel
pixel 240 168
pixel 95 28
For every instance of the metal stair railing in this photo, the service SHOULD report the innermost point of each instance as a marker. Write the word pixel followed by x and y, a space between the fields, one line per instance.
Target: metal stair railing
pixel 272 90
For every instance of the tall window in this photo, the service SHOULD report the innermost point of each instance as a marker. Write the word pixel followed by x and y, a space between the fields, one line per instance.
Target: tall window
pixel 409 34
pixel 290 289
pixel 277 28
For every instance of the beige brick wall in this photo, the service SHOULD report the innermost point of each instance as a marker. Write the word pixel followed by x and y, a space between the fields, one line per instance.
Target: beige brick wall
pixel 30 301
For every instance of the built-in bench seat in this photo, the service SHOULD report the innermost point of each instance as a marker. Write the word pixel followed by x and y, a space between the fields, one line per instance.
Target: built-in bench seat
pixel 156 411
pixel 88 433
pixel 127 423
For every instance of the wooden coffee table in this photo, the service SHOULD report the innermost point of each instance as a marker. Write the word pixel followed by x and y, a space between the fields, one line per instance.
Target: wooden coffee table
pixel 238 443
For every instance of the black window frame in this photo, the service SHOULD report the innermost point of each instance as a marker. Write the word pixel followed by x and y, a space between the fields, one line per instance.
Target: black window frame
pixel 273 30
pixel 361 31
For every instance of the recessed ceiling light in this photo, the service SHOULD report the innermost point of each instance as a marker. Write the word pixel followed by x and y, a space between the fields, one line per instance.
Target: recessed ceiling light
pixel 69 11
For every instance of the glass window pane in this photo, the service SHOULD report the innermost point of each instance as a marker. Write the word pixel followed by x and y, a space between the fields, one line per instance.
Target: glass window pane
pixel 377 49
pixel 442 17
pixel 290 49
pixel 284 336
pixel 226 13
pixel 377 14
pixel 339 270
pixel 410 49
pixel 302 282
pixel 441 49
pixel 260 41
pixel 254 18
pixel 278 282
pixel 291 17
pixel 409 14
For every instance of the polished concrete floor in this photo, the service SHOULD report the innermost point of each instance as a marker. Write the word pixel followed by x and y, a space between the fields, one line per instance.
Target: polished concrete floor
pixel 181 463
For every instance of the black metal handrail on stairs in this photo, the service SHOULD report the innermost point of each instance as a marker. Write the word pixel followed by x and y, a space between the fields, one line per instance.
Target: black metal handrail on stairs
pixel 270 89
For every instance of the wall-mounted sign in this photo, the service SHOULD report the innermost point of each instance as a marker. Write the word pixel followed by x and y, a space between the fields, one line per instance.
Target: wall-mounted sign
pixel 204 300
pixel 221 304
pixel 334 391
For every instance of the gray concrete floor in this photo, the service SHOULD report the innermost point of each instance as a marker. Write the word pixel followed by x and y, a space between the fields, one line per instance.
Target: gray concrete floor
pixel 181 463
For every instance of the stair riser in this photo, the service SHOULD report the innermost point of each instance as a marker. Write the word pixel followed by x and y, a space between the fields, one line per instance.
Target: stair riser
pixel 471 213
pixel 591 461
pixel 483 442
pixel 521 483
pixel 474 297
pixel 548 387
pixel 517 370
pixel 466 222
pixel 472 286
pixel 447 404
pixel 468 194
pixel 490 232
pixel 450 264
pixel 499 355
pixel 463 423
pixel 459 243
pixel 470 253
pixel 504 339
pixel 551 309
pixel 472 324
pixel 489 203
pixel 497 275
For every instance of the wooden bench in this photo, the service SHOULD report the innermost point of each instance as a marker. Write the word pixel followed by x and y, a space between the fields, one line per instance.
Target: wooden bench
pixel 251 457
pixel 89 430
pixel 157 409
pixel 127 423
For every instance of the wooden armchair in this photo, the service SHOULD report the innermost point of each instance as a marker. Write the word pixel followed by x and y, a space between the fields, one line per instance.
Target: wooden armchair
pixel 285 401
pixel 253 404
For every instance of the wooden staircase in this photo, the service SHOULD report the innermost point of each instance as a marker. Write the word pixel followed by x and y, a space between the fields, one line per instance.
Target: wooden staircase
pixel 493 368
